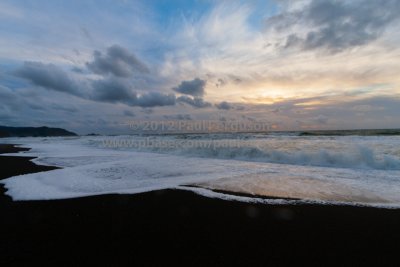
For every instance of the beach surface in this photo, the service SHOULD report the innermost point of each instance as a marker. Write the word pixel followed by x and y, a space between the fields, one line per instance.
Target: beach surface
pixel 180 227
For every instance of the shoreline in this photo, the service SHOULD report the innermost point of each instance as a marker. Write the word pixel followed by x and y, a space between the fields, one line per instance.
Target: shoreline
pixel 178 226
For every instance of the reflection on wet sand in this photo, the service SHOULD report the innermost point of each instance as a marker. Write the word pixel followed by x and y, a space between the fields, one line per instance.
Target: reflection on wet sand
pixel 292 187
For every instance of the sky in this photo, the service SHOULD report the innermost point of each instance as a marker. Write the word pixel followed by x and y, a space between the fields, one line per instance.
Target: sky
pixel 95 66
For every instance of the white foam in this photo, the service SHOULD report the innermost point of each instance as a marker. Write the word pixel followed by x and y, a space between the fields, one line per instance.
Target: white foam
pixel 91 170
pixel 382 153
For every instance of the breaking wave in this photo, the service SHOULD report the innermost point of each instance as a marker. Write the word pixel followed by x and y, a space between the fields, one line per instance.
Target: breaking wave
pixel 359 157
pixel 349 153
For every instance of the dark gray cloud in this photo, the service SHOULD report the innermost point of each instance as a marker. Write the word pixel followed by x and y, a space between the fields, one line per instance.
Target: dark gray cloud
pixel 147 110
pixel 129 113
pixel 154 99
pixel 18 108
pixel 36 106
pixel 224 105
pixel 117 61
pixel 116 90
pixel 223 81
pixel 220 82
pixel 68 109
pixel 48 76
pixel 194 87
pixel 77 69
pixel 6 94
pixel 8 99
pixel 113 91
pixel 178 117
pixel 194 102
pixel 337 25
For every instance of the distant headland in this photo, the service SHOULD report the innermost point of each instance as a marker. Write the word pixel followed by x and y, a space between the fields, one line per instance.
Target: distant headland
pixel 43 131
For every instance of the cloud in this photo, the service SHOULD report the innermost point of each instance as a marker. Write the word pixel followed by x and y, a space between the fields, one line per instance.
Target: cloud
pixel 48 76
pixel 9 100
pixel 224 105
pixel 367 108
pixel 86 33
pixel 147 111
pixel 194 102
pixel 115 90
pixel 24 107
pixel 178 117
pixel 77 70
pixel 321 119
pixel 117 61
pixel 69 109
pixel 111 90
pixel 220 82
pixel 154 99
pixel 335 25
pixel 129 113
pixel 194 87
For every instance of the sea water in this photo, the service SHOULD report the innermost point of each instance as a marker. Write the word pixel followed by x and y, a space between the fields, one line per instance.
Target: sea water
pixel 290 167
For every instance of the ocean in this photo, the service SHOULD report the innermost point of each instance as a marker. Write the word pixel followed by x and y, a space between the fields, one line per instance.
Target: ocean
pixel 331 168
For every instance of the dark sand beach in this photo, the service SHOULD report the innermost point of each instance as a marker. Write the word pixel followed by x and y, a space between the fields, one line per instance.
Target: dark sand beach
pixel 178 227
